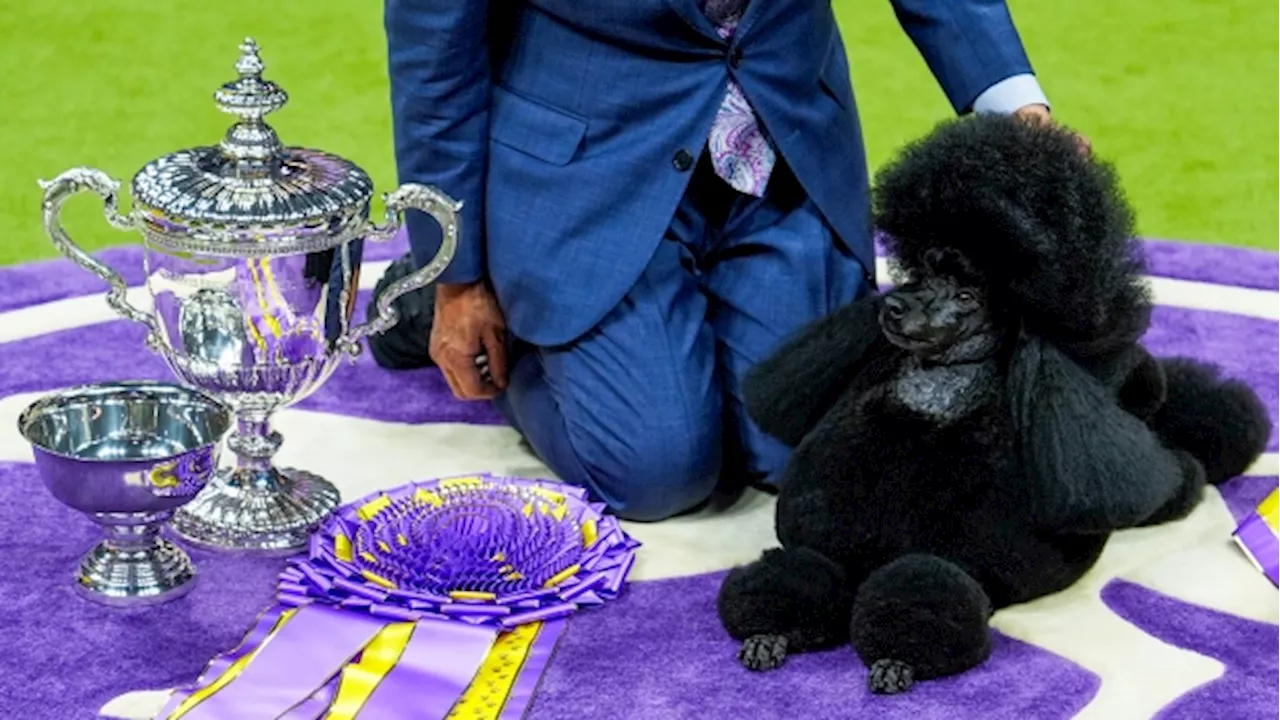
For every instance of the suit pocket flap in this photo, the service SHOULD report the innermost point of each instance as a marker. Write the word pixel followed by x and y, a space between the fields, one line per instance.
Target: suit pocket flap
pixel 533 128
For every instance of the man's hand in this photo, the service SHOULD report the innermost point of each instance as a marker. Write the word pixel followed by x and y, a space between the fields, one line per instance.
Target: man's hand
pixel 1040 113
pixel 468 323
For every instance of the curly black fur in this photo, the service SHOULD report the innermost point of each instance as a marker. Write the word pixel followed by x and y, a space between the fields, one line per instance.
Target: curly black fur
pixel 970 440
pixel 1218 420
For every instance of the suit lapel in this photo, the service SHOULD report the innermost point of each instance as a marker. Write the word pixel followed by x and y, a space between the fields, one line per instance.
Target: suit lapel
pixel 756 9
pixel 691 11
pixel 757 12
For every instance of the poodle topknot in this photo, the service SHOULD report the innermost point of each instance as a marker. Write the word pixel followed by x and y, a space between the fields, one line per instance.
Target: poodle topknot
pixel 1047 225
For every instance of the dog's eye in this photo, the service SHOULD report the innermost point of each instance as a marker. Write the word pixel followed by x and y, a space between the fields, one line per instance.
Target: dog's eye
pixel 966 297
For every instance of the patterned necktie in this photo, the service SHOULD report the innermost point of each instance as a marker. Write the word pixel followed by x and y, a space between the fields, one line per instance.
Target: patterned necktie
pixel 740 153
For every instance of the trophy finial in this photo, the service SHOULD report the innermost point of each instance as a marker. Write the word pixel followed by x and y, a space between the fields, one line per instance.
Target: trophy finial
pixel 250 98
pixel 250 63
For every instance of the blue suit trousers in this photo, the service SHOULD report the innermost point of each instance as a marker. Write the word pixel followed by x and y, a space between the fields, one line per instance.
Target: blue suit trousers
pixel 646 409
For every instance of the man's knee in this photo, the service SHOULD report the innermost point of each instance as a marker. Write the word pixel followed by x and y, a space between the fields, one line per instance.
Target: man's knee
pixel 655 475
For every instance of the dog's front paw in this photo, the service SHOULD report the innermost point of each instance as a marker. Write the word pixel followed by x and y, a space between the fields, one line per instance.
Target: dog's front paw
pixel 889 677
pixel 763 652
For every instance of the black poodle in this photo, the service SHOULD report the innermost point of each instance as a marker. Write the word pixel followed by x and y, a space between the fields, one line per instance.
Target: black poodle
pixel 970 439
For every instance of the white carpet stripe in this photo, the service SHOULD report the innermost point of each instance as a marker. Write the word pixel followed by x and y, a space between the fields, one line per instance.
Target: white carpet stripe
pixel 1268 464
pixel 1263 304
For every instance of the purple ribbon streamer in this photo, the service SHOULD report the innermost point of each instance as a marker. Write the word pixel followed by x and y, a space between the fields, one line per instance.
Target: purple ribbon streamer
pixel 1256 538
pixel 309 650
pixel 434 671
pixel 316 706
pixel 531 672
pixel 216 667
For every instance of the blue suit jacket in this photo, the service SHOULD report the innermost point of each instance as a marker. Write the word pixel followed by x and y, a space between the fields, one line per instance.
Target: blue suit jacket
pixel 557 124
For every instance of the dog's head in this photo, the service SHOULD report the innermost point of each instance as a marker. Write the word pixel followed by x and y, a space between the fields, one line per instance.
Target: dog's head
pixel 1045 225
pixel 943 312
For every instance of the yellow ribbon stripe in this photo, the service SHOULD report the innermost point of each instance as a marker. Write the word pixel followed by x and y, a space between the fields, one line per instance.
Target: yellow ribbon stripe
pixel 563 575
pixel 262 305
pixel 552 495
pixel 378 579
pixel 273 287
pixel 266 286
pixel 489 690
pixel 360 679
pixel 232 672
pixel 342 547
pixel 427 497
pixel 1269 511
pixel 370 509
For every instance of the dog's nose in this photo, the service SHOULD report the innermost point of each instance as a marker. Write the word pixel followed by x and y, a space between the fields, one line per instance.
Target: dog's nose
pixel 895 306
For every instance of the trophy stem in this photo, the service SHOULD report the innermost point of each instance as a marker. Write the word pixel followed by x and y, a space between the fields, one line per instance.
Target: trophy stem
pixel 256 506
pixel 133 564
pixel 254 443
pixel 132 538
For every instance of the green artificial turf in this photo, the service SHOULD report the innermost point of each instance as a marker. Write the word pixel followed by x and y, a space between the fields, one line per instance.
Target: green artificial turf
pixel 1180 95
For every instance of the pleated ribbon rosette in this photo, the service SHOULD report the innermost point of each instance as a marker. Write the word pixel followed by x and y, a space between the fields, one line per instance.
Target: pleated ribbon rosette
pixel 1257 536
pixel 439 599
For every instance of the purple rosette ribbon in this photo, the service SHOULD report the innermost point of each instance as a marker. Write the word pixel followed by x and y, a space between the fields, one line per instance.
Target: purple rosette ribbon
pixel 1257 536
pixel 437 599
pixel 479 549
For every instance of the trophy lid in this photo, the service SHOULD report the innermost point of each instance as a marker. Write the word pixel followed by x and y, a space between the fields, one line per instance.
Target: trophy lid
pixel 251 195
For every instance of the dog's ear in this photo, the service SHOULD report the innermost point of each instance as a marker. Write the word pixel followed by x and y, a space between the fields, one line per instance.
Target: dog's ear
pixel 1091 466
pixel 790 391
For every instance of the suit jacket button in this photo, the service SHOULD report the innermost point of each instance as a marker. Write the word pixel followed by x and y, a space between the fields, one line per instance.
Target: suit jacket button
pixel 683 160
pixel 735 57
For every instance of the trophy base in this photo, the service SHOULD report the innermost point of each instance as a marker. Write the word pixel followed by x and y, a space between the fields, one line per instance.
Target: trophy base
pixel 157 572
pixel 265 518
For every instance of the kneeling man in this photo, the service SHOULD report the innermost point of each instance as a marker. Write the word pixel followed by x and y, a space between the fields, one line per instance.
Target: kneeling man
pixel 656 193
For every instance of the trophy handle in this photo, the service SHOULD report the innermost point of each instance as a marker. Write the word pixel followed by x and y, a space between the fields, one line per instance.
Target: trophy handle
pixel 410 196
pixel 56 192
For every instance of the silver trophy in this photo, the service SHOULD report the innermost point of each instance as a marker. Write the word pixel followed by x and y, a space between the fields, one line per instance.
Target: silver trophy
pixel 252 259
pixel 127 455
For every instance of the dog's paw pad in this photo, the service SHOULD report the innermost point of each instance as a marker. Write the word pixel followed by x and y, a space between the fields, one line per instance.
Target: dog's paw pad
pixel 888 677
pixel 763 652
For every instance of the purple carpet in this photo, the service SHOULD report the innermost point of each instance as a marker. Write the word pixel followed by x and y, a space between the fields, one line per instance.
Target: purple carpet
pixel 73 656
pixel 1250 681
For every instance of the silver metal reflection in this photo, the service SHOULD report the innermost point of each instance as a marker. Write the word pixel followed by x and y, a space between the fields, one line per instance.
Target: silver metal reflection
pixel 128 455
pixel 253 254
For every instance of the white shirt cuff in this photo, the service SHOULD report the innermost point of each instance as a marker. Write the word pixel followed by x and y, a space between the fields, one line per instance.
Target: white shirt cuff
pixel 1011 94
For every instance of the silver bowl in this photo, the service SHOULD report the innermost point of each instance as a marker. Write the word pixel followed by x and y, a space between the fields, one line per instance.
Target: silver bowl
pixel 128 455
